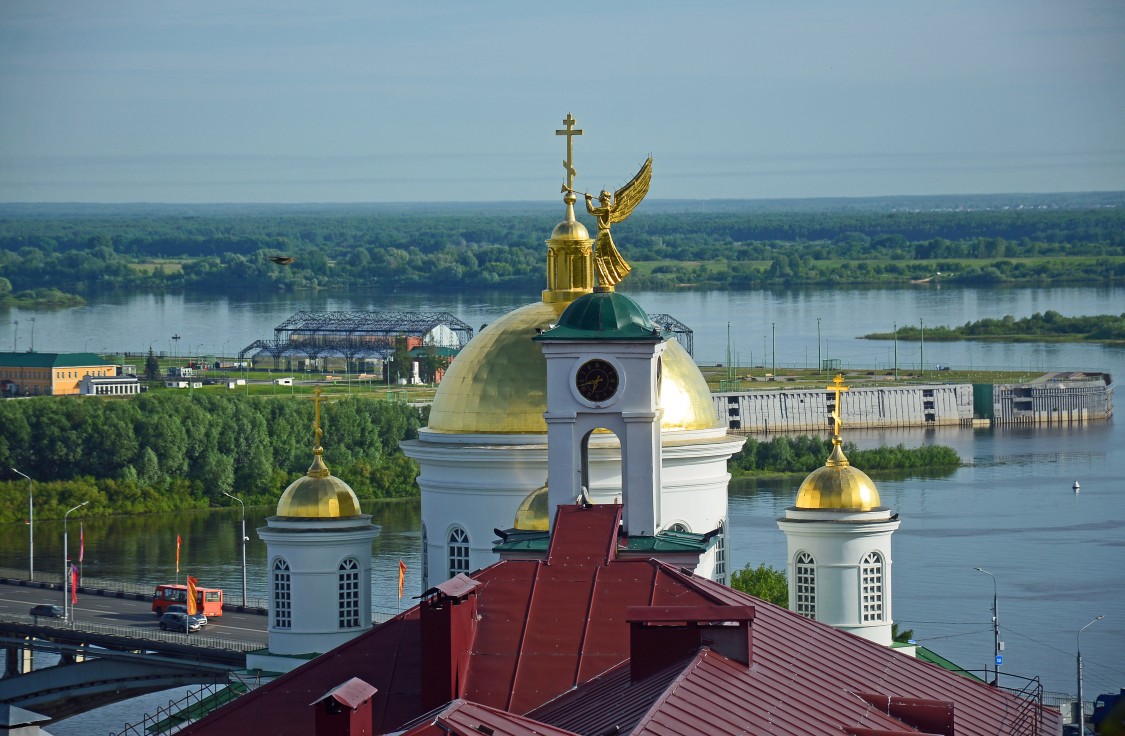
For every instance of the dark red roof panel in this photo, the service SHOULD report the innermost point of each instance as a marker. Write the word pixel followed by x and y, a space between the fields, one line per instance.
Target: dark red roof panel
pixel 464 718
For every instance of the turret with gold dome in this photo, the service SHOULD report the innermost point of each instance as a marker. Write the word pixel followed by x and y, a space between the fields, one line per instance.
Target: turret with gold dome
pixel 318 548
pixel 839 544
pixel 484 450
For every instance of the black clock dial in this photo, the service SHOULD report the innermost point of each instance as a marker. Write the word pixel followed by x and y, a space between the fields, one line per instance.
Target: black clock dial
pixel 596 380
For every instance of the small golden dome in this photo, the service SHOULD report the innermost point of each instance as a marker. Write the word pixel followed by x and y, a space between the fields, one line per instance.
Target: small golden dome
pixel 531 516
pixel 838 485
pixel 498 382
pixel 318 495
pixel 570 230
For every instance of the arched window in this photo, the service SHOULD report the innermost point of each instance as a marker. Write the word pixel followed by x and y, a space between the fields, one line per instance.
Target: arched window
pixel 871 585
pixel 678 527
pixel 282 595
pixel 425 559
pixel 349 593
pixel 804 573
pixel 721 554
pixel 458 551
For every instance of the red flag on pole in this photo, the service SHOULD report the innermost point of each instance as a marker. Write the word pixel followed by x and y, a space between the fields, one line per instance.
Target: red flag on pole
pixel 177 554
pixel 192 608
pixel 73 585
pixel 401 577
pixel 81 541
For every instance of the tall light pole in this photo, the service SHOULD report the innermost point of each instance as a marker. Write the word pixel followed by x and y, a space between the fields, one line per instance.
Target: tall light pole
pixel 773 345
pixel 30 524
pixel 66 565
pixel 1080 711
pixel 998 645
pixel 922 354
pixel 15 334
pixel 244 539
pixel 896 349
pixel 819 363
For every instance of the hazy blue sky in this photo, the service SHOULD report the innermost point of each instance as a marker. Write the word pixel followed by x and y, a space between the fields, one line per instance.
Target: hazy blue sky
pixel 280 101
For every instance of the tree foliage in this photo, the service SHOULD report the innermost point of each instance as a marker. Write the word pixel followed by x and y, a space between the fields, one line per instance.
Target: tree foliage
pixel 805 453
pixel 763 581
pixel 166 450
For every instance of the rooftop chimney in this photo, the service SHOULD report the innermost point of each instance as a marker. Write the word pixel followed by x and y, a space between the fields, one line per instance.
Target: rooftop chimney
pixel 345 710
pixel 660 636
pixel 448 615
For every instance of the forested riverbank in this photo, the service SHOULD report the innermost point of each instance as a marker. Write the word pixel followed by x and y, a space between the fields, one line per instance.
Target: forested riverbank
pixel 83 250
pixel 1046 326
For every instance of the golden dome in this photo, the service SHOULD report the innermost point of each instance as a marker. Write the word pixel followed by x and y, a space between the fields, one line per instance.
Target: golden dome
pixel 318 495
pixel 531 516
pixel 838 485
pixel 498 382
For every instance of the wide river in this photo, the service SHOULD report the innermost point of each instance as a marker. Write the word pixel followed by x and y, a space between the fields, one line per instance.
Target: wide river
pixel 1058 557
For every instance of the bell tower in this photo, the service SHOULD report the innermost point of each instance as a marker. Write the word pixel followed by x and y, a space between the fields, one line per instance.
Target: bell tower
pixel 604 372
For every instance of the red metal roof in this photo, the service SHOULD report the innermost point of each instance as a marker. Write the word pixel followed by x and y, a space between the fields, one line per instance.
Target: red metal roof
pixel 546 628
pixel 463 718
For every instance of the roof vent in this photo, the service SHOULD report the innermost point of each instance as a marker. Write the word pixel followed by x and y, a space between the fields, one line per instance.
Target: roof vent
pixel 660 636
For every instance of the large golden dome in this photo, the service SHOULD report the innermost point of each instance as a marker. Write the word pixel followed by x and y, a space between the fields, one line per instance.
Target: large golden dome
pixel 318 495
pixel 837 485
pixel 498 382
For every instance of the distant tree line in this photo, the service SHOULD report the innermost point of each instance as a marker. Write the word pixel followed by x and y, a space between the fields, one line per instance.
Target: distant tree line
pixel 805 453
pixel 1049 324
pixel 166 450
pixel 89 249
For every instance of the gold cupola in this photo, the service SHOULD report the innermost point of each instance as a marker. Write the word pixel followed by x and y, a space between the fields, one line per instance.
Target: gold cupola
pixel 533 513
pixel 318 494
pixel 838 485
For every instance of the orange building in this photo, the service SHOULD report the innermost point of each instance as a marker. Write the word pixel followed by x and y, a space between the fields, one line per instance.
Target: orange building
pixel 49 374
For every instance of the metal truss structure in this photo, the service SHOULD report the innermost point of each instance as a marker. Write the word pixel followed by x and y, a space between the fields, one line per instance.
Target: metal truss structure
pixel 679 330
pixel 353 335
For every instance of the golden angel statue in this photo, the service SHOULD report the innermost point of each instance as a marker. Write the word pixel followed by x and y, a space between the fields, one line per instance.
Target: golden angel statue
pixel 611 267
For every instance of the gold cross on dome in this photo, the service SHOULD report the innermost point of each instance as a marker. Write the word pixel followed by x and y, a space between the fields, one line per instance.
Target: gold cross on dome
pixel 837 388
pixel 570 132
pixel 317 432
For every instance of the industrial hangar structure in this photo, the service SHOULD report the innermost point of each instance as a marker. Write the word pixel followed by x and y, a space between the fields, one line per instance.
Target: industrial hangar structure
pixel 356 335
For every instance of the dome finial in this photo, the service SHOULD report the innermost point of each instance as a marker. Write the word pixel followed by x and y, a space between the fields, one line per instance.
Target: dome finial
pixel 569 197
pixel 318 469
pixel 837 457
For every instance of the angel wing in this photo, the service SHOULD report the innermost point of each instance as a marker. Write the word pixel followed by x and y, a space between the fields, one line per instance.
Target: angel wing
pixel 629 196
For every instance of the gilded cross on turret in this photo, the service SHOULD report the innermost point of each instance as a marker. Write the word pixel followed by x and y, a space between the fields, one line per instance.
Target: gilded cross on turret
pixel 838 388
pixel 570 132
pixel 317 432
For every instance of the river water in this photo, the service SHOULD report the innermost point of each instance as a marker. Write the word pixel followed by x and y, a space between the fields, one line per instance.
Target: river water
pixel 1058 557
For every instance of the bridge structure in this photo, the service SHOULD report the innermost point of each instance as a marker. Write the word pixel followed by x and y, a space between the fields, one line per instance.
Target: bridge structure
pixel 99 664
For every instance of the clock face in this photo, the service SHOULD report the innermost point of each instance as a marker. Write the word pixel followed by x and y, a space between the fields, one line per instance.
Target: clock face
pixel 596 380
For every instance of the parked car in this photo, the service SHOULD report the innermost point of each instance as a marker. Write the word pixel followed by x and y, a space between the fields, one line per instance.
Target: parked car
pixel 180 608
pixel 179 622
pixel 47 610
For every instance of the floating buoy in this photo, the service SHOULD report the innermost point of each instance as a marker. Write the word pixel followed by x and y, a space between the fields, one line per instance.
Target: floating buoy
pixel 1077 487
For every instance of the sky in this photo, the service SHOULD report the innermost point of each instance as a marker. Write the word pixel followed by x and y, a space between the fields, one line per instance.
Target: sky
pixel 373 101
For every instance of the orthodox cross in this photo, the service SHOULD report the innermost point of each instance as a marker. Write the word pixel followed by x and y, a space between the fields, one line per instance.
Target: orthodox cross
pixel 837 388
pixel 570 132
pixel 316 421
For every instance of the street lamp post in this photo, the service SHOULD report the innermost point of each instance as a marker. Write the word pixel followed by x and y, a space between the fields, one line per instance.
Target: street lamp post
pixel 998 645
pixel 922 354
pixel 1080 711
pixel 66 565
pixel 30 525
pixel 244 540
pixel 819 362
pixel 773 345
pixel 896 349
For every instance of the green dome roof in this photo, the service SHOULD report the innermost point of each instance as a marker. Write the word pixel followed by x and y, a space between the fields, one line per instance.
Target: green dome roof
pixel 604 315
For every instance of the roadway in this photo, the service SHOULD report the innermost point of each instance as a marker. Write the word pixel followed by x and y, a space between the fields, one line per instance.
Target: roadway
pixel 112 611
